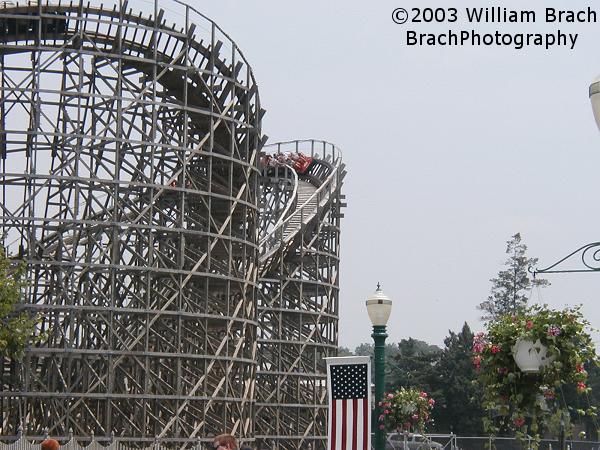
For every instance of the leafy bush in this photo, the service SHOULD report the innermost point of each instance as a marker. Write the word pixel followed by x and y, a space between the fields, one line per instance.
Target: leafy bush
pixel 16 327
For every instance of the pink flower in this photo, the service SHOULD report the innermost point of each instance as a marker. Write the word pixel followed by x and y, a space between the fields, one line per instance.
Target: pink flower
pixel 579 368
pixel 553 330
pixel 519 421
pixel 390 395
pixel 381 418
pixel 549 394
pixel 382 427
pixel 529 325
pixel 477 361
pixel 478 338
pixel 478 347
pixel 423 394
pixel 581 386
pixel 386 411
pixel 431 402
pixel 495 349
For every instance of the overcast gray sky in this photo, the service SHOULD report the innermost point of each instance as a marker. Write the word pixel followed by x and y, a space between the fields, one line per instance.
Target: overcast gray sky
pixel 450 150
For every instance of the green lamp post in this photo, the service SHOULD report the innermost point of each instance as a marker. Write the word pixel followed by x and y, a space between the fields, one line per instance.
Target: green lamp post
pixel 379 307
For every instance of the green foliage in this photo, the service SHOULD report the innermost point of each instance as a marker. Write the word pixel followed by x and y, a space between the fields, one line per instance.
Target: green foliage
pixel 413 365
pixel 509 290
pixel 584 407
pixel 344 351
pixel 458 408
pixel 529 403
pixel 16 328
pixel 407 409
pixel 446 374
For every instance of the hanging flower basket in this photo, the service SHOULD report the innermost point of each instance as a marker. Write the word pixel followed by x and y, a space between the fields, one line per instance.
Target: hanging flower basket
pixel 522 363
pixel 406 410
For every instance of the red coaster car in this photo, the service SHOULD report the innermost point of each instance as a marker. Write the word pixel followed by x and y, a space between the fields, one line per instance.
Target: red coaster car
pixel 302 163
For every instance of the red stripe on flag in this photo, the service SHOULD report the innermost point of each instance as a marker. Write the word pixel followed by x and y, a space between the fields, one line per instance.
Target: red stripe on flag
pixel 333 421
pixel 354 423
pixel 344 423
pixel 366 434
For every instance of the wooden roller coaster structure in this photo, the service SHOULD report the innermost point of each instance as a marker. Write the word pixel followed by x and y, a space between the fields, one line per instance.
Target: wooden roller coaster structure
pixel 183 289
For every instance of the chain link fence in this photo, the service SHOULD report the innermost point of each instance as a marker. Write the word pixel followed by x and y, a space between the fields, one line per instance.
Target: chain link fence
pixel 510 443
pixel 394 442
pixel 453 442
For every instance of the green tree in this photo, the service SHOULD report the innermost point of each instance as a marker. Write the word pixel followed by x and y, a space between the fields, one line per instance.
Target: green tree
pixel 16 327
pixel 344 351
pixel 414 365
pixel 509 293
pixel 457 409
pixel 445 374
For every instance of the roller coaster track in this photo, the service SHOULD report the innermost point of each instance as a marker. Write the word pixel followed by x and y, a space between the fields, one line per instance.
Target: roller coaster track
pixel 298 299
pixel 316 189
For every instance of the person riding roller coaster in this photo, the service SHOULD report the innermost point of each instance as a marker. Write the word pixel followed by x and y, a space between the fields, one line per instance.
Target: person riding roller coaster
pixel 299 161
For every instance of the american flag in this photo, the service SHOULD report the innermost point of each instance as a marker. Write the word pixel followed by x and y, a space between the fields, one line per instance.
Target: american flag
pixel 349 419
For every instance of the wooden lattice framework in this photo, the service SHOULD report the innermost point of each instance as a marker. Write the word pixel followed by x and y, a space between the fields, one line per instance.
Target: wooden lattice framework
pixel 129 185
pixel 298 301
pixel 182 290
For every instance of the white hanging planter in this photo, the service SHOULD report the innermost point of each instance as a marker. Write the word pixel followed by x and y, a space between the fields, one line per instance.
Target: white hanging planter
pixel 530 356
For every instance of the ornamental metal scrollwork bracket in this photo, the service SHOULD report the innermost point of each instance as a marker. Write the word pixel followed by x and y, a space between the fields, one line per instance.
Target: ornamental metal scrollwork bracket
pixel 589 255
